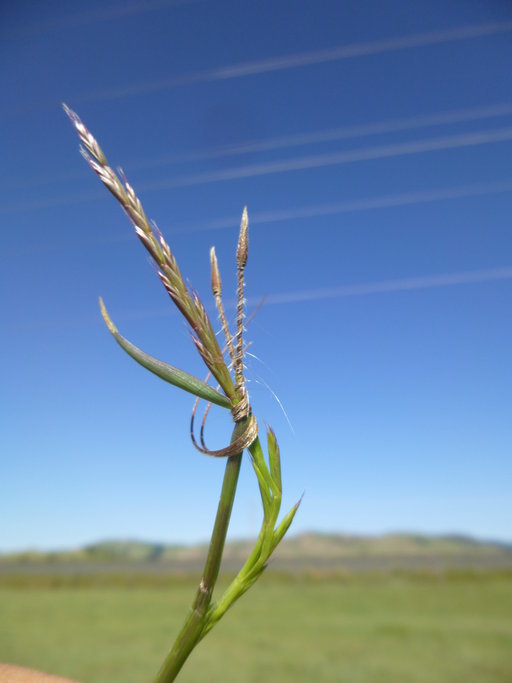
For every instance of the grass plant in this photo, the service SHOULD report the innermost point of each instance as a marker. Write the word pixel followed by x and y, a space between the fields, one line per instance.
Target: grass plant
pixel 230 394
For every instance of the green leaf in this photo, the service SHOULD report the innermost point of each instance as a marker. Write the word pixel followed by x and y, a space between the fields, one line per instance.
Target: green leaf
pixel 264 492
pixel 274 458
pixel 264 479
pixel 259 460
pixel 284 526
pixel 166 372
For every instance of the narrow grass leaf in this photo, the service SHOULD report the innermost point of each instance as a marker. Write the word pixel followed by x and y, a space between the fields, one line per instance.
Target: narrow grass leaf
pixel 167 372
pixel 265 494
pixel 284 526
pixel 259 459
pixel 274 458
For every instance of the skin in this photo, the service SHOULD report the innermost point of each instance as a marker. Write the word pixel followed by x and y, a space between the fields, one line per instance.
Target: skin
pixel 17 674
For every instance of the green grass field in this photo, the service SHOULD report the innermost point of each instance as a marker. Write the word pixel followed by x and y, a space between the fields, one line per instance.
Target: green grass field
pixel 360 630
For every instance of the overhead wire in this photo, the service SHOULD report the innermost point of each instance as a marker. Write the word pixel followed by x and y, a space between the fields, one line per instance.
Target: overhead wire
pixel 300 59
pixel 309 162
pixel 349 132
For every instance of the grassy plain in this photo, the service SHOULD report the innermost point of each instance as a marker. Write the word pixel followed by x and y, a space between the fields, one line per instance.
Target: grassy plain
pixel 357 629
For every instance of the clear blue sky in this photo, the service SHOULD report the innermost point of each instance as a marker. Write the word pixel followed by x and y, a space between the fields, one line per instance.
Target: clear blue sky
pixel 372 143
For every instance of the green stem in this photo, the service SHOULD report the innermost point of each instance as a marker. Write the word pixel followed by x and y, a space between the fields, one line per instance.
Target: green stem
pixel 238 586
pixel 191 631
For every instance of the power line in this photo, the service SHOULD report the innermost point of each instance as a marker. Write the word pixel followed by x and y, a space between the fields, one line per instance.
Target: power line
pixel 301 296
pixel 334 159
pixel 356 205
pixel 301 59
pixel 388 286
pixel 342 133
pixel 288 165
pixel 332 134
pixel 318 210
pixel 300 139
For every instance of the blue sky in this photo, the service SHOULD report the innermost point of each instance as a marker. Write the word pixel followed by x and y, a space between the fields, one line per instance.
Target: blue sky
pixel 371 142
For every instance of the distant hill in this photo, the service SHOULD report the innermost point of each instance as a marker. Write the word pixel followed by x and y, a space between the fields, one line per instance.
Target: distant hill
pixel 308 552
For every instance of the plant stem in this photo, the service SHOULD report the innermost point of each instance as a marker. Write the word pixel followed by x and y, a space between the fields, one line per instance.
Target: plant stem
pixel 191 631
